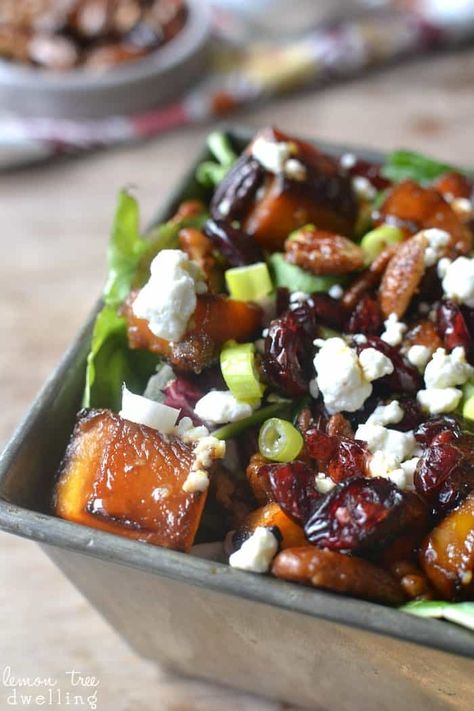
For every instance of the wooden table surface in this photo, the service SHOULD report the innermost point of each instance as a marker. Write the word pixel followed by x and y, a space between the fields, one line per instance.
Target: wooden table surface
pixel 54 221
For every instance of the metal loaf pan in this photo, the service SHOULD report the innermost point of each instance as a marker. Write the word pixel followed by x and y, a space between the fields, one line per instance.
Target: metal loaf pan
pixel 205 619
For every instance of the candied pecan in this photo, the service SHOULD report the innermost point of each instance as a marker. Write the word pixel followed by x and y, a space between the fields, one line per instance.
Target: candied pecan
pixel 337 572
pixel 423 333
pixel 340 426
pixel 360 514
pixel 368 280
pixel 402 276
pixel 257 476
pixel 187 209
pixel 200 249
pixel 322 252
pixel 412 580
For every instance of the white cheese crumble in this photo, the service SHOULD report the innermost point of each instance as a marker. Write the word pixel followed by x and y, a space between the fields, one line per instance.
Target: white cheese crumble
pixel 336 291
pixel 437 241
pixel 257 552
pixel 298 297
pixel 443 372
pixel 458 280
pixel 386 414
pixel 295 170
pixel 340 377
pixel 348 161
pixel 143 411
pixel 392 453
pixel 394 330
pixel 324 483
pixel 186 431
pixel 168 299
pixel 403 477
pixel 436 401
pixel 207 450
pixel 375 364
pixel 419 356
pixel 363 188
pixel 220 406
pixel 447 370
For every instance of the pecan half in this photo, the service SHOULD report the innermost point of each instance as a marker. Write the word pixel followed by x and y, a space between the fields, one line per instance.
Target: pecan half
pixel 337 572
pixel 402 276
pixel 322 252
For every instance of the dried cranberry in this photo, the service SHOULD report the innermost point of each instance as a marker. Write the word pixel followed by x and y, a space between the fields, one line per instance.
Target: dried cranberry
pixel 445 473
pixel 286 361
pixel 183 394
pixel 452 326
pixel 337 456
pixel 237 190
pixel 405 378
pixel 366 318
pixel 360 513
pixel 412 415
pixel 237 247
pixel 427 431
pixel 293 488
pixel 282 300
pixel 371 171
pixel 328 311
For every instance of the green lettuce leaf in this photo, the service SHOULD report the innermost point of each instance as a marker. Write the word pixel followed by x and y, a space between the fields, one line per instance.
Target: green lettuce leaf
pixel 110 362
pixel 462 613
pixel 210 173
pixel 406 165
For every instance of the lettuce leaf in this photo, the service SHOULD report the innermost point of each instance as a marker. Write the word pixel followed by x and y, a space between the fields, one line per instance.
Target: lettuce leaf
pixel 406 165
pixel 110 362
pixel 462 613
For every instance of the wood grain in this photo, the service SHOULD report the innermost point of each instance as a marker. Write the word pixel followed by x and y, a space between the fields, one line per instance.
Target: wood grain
pixel 54 221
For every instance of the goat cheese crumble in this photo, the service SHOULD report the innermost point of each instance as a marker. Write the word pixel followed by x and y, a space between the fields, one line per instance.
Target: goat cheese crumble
pixel 391 451
pixel 394 330
pixel 323 483
pixel 278 157
pixel 458 279
pixel 257 552
pixel 207 450
pixel 375 364
pixel 220 406
pixel 386 414
pixel 339 376
pixel 168 299
pixel 437 240
pixel 419 356
pixel 442 374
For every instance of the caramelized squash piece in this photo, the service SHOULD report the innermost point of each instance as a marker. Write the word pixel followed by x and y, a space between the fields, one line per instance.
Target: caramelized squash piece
pixel 216 320
pixel 337 572
pixel 268 516
pixel 447 555
pixel 127 479
pixel 200 249
pixel 413 208
pixel 454 185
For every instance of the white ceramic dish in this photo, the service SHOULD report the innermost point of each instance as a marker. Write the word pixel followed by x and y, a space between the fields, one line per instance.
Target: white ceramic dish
pixel 132 87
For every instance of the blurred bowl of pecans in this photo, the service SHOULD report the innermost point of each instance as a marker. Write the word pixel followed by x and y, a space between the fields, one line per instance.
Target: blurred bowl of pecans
pixel 96 58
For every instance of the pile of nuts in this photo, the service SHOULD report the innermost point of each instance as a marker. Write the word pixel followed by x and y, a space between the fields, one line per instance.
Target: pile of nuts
pixel 94 34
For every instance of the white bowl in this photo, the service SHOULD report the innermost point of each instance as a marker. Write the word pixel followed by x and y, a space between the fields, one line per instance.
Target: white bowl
pixel 129 88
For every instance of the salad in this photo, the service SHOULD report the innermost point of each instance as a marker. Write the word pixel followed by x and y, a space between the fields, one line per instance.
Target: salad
pixel 287 365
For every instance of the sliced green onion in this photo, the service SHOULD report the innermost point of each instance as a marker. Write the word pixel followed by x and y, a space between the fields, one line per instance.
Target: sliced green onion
pixel 468 400
pixel 462 613
pixel 279 440
pixel 249 283
pixel 221 148
pixel 240 372
pixel 235 428
pixel 297 279
pixel 210 174
pixel 374 242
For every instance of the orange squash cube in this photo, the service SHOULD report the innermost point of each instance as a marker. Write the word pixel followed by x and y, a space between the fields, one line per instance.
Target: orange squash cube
pixel 273 515
pixel 126 478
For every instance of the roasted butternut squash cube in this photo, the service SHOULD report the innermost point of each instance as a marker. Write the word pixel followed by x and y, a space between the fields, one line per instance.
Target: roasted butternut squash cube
pixel 126 478
pixel 268 516
pixel 447 555
pixel 216 320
